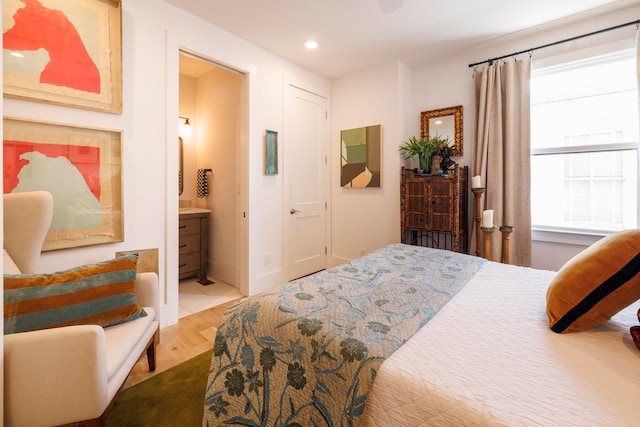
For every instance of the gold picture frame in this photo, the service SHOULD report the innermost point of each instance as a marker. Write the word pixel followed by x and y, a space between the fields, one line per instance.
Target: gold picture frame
pixel 80 167
pixel 75 60
pixel 445 122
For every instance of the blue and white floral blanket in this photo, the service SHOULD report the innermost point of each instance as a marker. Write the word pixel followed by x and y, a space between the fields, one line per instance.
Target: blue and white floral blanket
pixel 307 352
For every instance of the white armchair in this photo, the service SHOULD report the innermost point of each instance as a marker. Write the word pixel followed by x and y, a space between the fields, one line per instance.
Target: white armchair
pixel 67 375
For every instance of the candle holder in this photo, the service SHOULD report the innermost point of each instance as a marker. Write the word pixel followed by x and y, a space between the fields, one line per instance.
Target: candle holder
pixel 506 230
pixel 478 192
pixel 488 231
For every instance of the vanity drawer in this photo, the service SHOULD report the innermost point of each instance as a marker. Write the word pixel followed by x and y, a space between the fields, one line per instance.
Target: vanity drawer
pixel 189 263
pixel 188 244
pixel 189 226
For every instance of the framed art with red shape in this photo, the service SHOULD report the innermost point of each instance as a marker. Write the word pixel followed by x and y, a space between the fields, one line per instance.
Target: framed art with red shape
pixel 65 52
pixel 80 167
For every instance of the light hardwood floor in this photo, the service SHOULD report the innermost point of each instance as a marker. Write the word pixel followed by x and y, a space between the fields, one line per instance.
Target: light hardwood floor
pixel 191 336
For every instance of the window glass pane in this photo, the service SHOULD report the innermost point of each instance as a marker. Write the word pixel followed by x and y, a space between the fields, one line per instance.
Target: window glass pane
pixel 585 191
pixel 585 104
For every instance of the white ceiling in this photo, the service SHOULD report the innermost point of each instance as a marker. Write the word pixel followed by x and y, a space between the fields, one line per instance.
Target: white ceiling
pixel 193 67
pixel 356 34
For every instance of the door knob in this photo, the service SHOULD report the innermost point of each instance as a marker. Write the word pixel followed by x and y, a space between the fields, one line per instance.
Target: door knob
pixel 292 211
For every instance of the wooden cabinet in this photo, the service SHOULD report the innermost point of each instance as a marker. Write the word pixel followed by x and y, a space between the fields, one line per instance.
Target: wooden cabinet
pixel 434 209
pixel 193 246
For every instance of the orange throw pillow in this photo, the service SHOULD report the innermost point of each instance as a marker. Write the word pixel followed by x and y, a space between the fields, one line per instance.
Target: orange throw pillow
pixel 97 294
pixel 596 284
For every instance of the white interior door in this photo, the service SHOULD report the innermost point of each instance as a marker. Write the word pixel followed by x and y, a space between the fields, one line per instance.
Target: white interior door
pixel 305 171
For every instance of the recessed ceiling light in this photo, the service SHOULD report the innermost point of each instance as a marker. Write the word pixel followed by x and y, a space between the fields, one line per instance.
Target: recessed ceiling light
pixel 310 44
pixel 17 54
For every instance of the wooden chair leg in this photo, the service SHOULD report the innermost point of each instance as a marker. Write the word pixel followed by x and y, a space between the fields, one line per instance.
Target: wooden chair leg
pixel 151 352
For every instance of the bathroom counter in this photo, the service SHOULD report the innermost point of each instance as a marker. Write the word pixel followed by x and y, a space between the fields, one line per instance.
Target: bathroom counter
pixel 186 211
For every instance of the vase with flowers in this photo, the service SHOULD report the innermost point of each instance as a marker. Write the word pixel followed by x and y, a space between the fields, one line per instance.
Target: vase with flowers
pixel 425 149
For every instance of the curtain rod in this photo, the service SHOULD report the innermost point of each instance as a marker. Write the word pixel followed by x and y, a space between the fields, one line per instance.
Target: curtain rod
pixel 491 60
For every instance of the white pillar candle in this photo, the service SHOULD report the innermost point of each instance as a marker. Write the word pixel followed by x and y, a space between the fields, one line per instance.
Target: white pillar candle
pixel 487 218
pixel 476 181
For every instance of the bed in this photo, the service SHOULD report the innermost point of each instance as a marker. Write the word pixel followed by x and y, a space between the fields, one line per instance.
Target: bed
pixel 411 336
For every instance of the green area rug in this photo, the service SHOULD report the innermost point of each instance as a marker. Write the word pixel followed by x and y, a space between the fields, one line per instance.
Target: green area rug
pixel 173 398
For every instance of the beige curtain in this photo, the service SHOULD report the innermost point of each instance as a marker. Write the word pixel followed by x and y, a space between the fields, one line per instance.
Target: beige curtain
pixel 502 155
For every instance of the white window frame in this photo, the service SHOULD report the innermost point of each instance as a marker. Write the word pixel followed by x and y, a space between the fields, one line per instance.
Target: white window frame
pixel 566 235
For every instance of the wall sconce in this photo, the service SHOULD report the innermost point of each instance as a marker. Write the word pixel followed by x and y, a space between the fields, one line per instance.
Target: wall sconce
pixel 185 130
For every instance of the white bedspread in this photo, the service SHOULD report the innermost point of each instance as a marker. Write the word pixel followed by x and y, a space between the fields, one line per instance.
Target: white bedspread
pixel 489 358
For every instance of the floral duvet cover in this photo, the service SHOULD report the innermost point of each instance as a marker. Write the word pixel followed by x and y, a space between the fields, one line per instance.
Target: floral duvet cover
pixel 307 352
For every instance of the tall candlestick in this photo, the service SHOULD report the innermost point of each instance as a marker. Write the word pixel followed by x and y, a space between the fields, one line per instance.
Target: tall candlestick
pixel 487 218
pixel 487 231
pixel 506 250
pixel 476 181
pixel 477 192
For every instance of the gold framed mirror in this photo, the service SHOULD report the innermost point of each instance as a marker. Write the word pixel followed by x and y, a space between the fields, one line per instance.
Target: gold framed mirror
pixel 181 166
pixel 445 122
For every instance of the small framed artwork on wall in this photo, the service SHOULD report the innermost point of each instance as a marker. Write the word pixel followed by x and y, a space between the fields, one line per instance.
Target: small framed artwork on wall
pixel 361 157
pixel 271 153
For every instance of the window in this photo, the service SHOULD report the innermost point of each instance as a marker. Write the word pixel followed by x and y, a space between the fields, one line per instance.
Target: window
pixel 584 145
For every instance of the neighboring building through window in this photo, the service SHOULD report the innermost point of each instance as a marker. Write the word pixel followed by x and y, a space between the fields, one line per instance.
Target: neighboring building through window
pixel 584 145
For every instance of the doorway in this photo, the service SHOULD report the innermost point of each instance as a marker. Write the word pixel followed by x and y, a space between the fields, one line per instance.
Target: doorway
pixel 210 99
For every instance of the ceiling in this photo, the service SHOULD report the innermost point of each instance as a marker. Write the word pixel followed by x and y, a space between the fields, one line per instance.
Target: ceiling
pixel 356 34
pixel 192 66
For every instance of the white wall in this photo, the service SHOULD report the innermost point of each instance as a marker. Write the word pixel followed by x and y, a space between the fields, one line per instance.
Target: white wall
pixel 213 103
pixel 219 104
pixel 365 219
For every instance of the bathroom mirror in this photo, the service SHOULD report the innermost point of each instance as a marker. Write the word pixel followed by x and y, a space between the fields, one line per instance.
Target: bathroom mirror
pixel 180 167
pixel 445 122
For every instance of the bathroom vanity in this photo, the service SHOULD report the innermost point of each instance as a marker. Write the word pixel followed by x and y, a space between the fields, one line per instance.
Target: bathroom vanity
pixel 193 246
